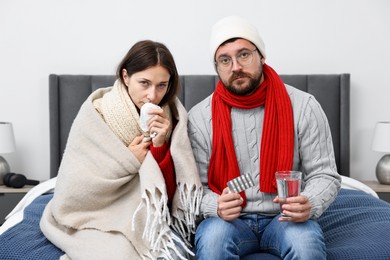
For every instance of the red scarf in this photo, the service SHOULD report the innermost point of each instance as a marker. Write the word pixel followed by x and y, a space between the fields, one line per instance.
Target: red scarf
pixel 277 143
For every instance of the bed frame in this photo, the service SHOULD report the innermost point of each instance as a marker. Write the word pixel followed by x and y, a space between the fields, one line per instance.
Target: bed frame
pixel 68 92
pixel 355 225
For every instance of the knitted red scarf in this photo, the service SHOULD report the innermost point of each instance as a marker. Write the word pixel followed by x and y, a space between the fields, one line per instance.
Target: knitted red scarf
pixel 277 143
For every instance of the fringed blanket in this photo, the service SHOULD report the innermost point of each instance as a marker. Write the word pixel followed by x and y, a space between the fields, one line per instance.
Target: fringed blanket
pixel 107 205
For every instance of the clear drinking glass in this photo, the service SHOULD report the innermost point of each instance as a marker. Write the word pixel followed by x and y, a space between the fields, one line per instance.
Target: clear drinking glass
pixel 288 185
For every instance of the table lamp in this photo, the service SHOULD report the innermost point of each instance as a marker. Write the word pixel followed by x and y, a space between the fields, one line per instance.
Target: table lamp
pixel 381 143
pixel 7 145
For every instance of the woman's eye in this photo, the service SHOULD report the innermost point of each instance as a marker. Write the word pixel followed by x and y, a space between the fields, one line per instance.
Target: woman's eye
pixel 143 83
pixel 162 86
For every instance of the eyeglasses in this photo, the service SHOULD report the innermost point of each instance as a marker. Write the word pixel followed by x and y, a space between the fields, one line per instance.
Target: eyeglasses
pixel 244 58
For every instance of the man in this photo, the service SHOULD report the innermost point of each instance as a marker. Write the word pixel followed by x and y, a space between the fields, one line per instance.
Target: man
pixel 254 124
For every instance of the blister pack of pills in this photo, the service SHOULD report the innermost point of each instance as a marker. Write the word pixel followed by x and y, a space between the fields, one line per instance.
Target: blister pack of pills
pixel 240 183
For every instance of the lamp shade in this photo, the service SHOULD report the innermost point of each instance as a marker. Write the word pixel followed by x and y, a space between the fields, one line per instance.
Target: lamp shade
pixel 7 139
pixel 381 140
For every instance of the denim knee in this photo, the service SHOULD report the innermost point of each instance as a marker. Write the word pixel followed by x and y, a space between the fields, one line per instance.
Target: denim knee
pixel 214 239
pixel 297 240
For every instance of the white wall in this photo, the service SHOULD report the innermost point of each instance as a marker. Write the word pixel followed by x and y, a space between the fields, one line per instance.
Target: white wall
pixel 90 37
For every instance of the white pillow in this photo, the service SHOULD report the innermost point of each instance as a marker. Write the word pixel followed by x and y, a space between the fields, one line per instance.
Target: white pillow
pixel 352 184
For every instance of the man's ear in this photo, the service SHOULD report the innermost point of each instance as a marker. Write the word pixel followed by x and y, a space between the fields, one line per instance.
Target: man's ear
pixel 262 60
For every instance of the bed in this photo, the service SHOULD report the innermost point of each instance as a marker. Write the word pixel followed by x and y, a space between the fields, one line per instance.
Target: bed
pixel 355 226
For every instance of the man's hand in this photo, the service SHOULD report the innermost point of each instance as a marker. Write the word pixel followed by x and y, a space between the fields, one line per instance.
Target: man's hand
pixel 297 209
pixel 229 205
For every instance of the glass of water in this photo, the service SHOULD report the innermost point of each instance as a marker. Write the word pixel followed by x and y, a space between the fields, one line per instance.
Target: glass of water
pixel 288 185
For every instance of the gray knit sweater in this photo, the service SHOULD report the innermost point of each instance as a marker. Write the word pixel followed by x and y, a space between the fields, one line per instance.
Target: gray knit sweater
pixel 313 153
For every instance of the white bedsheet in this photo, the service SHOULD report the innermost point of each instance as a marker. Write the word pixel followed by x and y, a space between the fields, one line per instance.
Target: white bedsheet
pixel 16 215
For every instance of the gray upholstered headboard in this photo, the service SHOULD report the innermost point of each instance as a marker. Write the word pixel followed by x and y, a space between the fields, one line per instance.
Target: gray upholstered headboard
pixel 68 92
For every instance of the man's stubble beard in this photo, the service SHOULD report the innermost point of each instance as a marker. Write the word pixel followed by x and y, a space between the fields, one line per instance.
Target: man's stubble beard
pixel 254 83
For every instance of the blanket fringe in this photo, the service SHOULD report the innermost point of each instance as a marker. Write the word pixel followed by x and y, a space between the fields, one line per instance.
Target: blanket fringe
pixel 191 197
pixel 156 230
pixel 158 220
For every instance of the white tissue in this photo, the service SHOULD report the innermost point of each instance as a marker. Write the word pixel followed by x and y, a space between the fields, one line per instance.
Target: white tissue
pixel 145 117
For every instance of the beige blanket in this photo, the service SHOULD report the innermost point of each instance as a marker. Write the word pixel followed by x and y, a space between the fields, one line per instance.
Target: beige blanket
pixel 107 205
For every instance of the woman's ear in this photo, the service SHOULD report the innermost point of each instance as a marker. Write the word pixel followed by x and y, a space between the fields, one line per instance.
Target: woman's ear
pixel 125 77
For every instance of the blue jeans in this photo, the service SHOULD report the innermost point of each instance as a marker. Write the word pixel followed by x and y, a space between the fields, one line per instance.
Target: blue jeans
pixel 252 233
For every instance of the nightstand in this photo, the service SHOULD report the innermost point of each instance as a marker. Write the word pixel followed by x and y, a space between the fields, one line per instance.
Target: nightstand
pixel 383 190
pixel 9 197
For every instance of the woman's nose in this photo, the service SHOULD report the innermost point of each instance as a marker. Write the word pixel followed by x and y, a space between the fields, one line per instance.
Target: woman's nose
pixel 151 95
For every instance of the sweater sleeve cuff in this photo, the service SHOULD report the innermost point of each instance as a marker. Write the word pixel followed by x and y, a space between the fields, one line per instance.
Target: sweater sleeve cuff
pixel 209 205
pixel 159 153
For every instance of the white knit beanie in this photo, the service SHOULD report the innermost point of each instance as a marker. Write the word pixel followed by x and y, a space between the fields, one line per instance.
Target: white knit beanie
pixel 234 27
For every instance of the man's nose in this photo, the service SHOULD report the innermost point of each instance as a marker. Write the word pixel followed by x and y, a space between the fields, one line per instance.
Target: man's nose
pixel 235 65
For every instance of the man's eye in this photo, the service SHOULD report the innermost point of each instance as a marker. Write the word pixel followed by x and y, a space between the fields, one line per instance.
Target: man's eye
pixel 244 55
pixel 224 60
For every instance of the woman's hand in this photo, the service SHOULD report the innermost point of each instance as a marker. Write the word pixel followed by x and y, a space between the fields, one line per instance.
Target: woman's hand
pixel 158 126
pixel 139 147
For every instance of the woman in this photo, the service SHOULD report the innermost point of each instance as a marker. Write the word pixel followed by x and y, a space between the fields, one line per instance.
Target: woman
pixel 123 193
